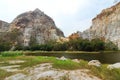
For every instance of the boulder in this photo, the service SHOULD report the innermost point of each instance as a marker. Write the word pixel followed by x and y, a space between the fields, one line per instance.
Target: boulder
pixel 76 60
pixel 113 66
pixel 94 63
pixel 62 58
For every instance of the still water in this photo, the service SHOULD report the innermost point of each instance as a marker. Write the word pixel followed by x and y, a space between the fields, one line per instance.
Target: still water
pixel 102 57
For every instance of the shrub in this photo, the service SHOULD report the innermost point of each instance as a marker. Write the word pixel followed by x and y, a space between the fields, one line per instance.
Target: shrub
pixel 66 64
pixel 73 45
pixel 60 47
pixel 42 47
pixel 110 46
pixel 86 45
pixel 4 46
pixel 98 44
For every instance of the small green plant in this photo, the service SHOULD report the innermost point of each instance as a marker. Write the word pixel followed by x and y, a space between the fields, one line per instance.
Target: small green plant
pixel 11 53
pixel 66 64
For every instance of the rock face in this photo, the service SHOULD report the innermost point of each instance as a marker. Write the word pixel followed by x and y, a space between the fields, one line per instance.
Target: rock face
pixel 74 35
pixel 106 26
pixel 45 71
pixel 36 25
pixel 4 26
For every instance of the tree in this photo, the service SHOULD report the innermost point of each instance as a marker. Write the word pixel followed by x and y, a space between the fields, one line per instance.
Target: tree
pixel 98 44
pixel 5 43
pixel 60 47
pixel 110 46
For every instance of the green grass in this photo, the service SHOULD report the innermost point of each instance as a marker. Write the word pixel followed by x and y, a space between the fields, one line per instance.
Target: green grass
pixel 106 74
pixel 11 53
pixel 32 61
pixel 102 72
pixel 66 64
pixel 56 52
pixel 3 74
pixel 59 64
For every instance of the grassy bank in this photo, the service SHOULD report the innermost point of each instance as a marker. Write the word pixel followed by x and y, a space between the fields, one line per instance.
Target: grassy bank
pixel 18 53
pixel 11 53
pixel 102 72
pixel 57 52
pixel 30 61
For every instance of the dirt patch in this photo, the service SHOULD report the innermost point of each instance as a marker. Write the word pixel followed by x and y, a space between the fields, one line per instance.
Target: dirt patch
pixel 12 68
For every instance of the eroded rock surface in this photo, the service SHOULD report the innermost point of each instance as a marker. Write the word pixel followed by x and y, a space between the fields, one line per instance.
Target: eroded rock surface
pixel 36 25
pixel 95 63
pixel 46 72
pixel 4 26
pixel 106 25
pixel 11 68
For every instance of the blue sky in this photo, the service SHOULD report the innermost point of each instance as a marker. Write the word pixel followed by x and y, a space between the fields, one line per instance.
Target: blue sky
pixel 69 15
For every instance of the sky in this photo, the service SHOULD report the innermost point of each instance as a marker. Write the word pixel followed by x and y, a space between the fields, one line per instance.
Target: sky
pixel 69 15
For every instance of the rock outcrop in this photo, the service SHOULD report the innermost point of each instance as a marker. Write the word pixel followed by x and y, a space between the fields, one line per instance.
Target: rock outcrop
pixel 35 25
pixel 106 26
pixel 45 71
pixel 114 66
pixel 4 26
pixel 94 63
pixel 74 35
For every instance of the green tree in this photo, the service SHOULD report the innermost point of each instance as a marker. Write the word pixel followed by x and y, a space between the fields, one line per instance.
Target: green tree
pixel 110 46
pixel 60 47
pixel 98 44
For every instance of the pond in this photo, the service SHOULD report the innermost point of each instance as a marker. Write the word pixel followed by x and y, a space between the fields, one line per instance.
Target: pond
pixel 109 58
pixel 102 57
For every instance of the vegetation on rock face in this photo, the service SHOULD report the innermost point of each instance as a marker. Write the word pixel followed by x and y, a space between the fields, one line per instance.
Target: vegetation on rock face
pixel 9 39
pixel 4 43
pixel 110 46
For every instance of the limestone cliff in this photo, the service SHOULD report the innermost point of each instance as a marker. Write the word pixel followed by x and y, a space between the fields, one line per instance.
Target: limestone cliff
pixel 106 25
pixel 35 24
pixel 4 26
